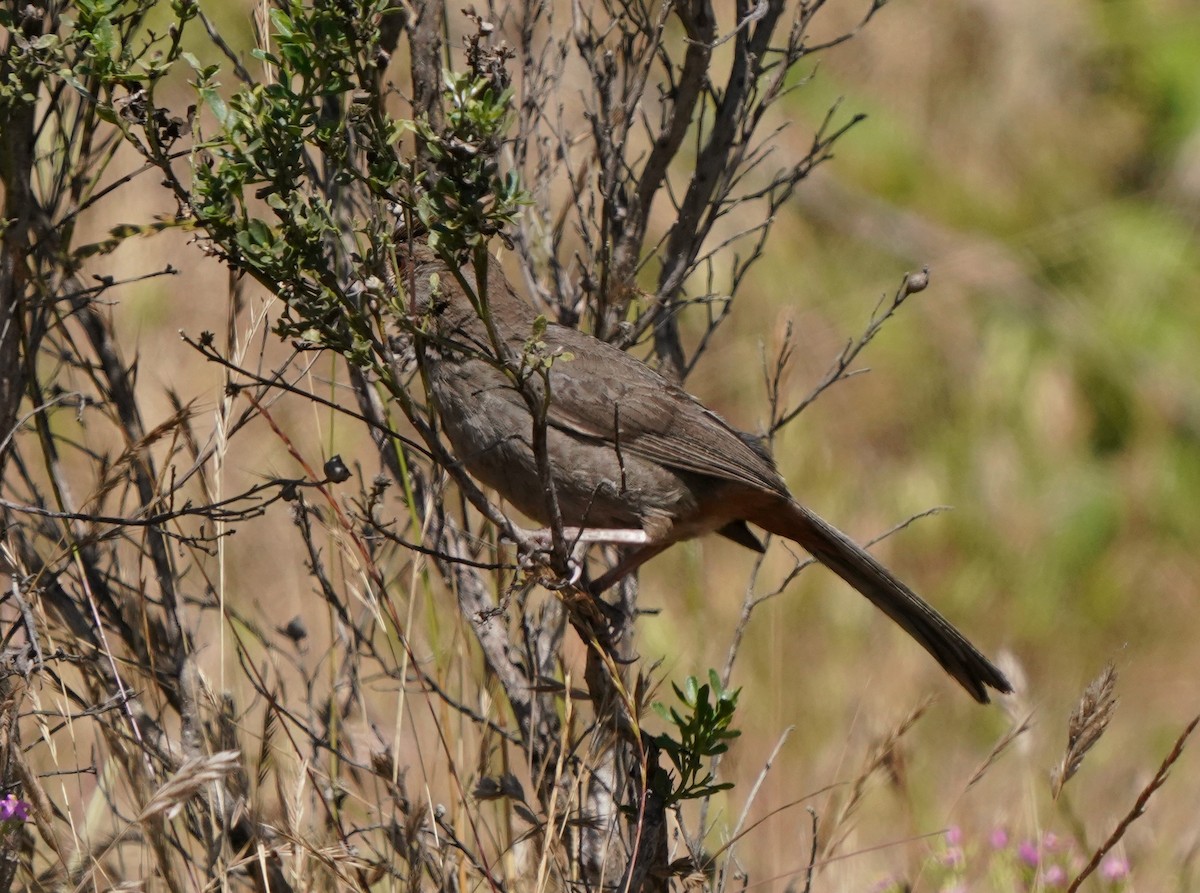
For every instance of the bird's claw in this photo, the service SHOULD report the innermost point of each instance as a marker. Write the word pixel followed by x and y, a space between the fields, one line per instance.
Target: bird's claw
pixel 535 551
pixel 570 581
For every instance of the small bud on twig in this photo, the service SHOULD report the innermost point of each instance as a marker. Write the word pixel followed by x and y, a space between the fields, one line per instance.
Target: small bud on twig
pixel 915 282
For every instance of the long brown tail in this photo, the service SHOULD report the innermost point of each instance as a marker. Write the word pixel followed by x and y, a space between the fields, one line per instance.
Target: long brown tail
pixel 937 635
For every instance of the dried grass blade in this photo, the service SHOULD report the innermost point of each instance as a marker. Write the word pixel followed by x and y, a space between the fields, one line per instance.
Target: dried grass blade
pixel 1088 721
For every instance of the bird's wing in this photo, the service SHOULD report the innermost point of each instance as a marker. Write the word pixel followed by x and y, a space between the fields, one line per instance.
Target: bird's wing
pixel 604 393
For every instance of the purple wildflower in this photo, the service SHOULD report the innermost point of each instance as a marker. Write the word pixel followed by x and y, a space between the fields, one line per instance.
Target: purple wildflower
pixel 12 808
pixel 999 838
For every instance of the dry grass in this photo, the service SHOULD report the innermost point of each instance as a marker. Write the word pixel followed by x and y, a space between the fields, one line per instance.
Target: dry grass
pixel 376 752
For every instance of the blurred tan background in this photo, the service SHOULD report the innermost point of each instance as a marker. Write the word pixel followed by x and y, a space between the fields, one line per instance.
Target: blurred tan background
pixel 1043 159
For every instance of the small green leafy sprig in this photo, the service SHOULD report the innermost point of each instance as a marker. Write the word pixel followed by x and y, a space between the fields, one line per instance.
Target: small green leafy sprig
pixel 703 732
pixel 466 199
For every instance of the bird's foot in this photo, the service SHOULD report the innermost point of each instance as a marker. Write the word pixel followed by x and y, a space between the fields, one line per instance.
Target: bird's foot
pixel 536 556
pixel 535 546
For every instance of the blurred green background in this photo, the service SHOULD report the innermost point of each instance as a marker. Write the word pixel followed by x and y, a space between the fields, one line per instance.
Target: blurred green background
pixel 1043 159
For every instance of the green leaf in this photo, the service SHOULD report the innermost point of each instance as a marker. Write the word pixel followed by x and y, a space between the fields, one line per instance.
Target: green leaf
pixel 260 232
pixel 282 23
pixel 216 104
pixel 104 38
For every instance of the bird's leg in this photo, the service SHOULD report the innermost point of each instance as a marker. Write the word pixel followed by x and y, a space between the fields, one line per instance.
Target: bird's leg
pixel 615 536
pixel 580 538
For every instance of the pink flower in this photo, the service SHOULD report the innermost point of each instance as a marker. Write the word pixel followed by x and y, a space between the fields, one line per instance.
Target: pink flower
pixel 1054 876
pixel 953 857
pixel 1050 841
pixel 1114 868
pixel 999 838
pixel 1028 853
pixel 954 836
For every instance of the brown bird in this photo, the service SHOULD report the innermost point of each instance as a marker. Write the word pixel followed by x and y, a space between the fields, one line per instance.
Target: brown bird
pixel 633 457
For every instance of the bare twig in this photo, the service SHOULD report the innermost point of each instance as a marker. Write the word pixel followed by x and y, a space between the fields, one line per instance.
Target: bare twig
pixel 1139 806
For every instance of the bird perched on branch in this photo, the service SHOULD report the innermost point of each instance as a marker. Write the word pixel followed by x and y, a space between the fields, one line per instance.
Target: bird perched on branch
pixel 632 458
